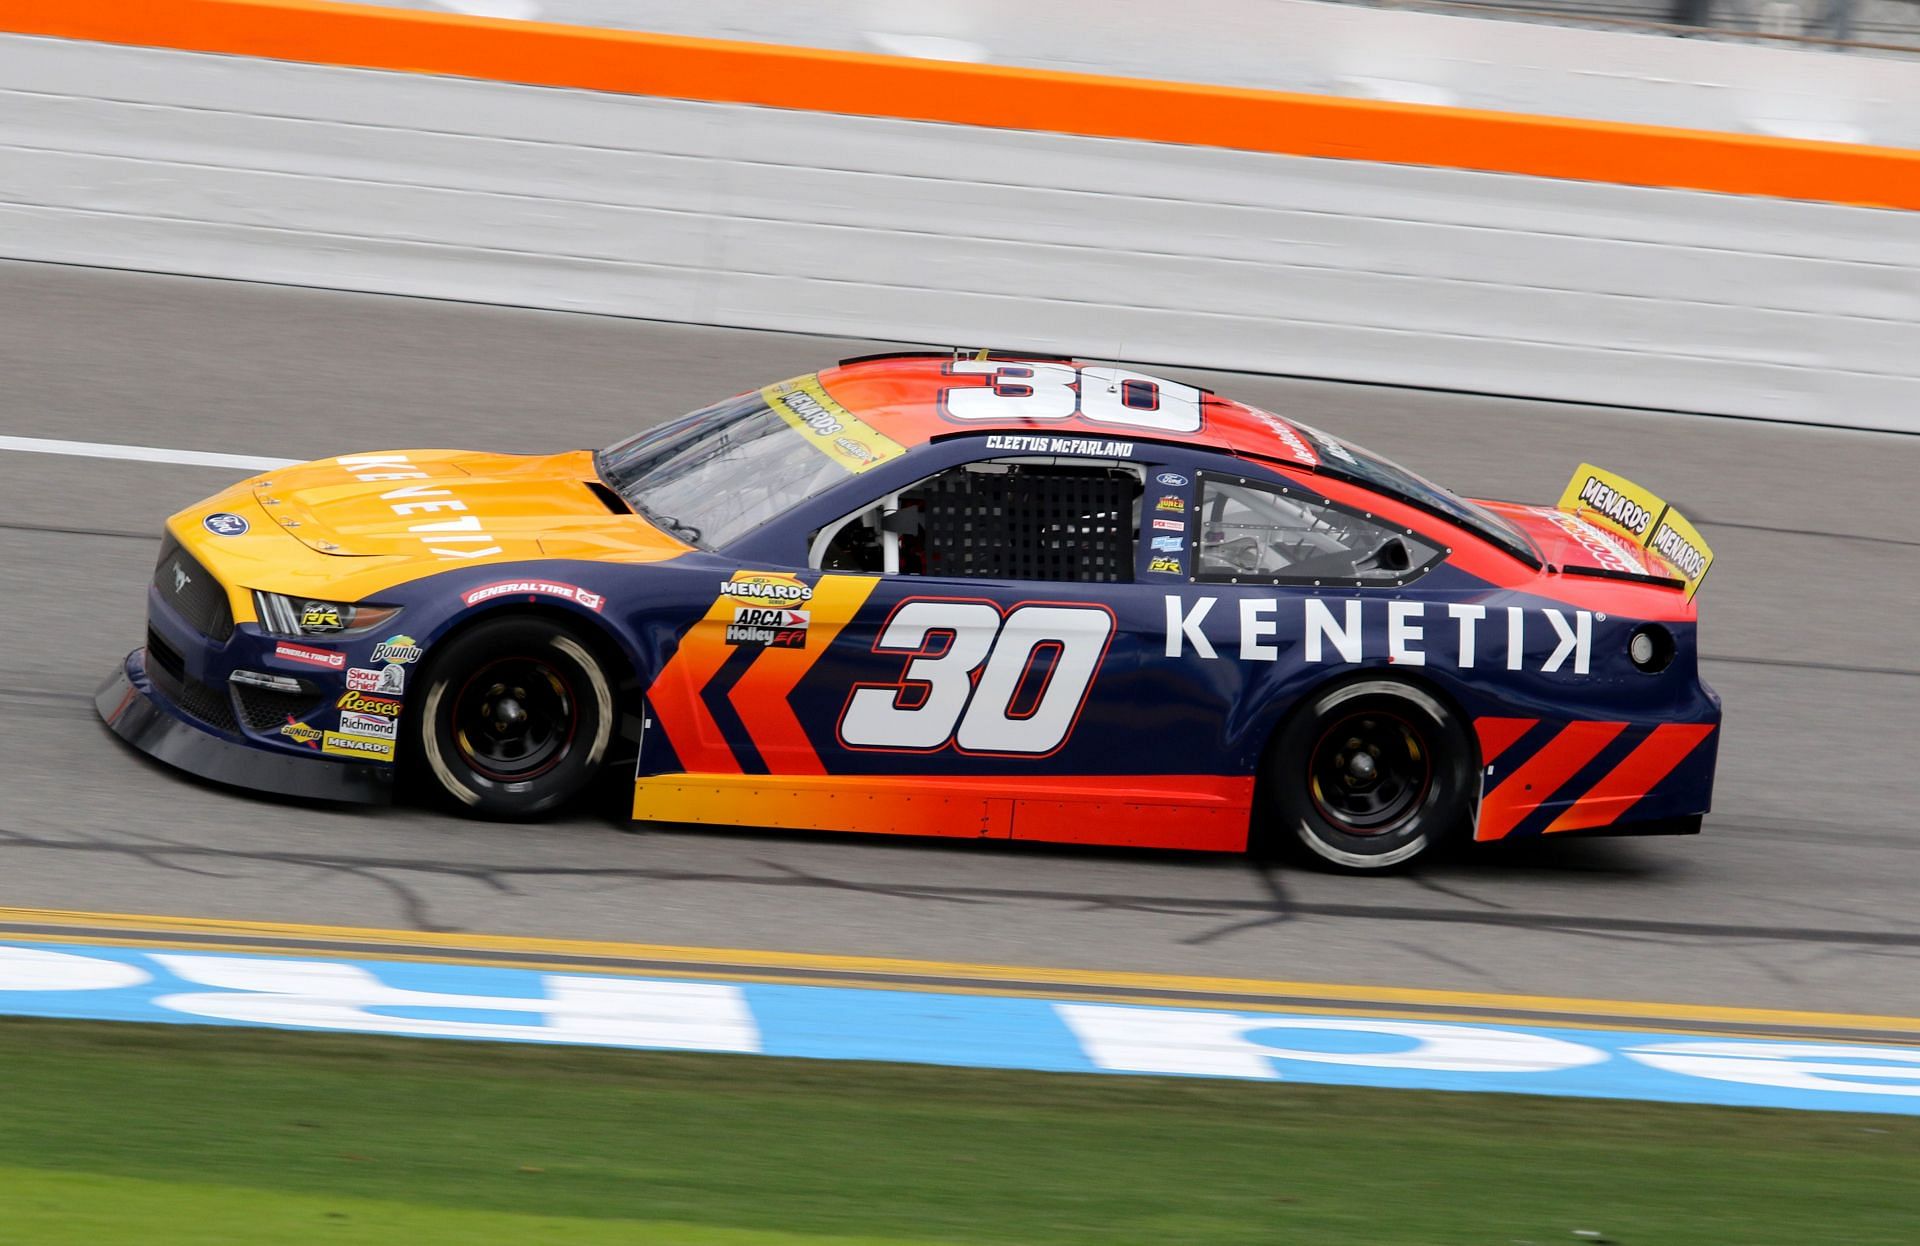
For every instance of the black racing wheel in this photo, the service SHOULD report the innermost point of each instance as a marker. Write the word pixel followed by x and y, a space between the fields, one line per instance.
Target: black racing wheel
pixel 1369 775
pixel 515 719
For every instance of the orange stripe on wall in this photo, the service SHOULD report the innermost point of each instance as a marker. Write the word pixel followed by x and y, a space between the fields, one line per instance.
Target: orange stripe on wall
pixel 989 95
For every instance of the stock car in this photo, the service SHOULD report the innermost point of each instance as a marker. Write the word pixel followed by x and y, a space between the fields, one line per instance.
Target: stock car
pixel 980 594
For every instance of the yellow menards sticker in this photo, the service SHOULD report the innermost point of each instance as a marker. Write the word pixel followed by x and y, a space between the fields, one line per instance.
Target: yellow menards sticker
pixel 1611 500
pixel 766 588
pixel 357 746
pixel 834 431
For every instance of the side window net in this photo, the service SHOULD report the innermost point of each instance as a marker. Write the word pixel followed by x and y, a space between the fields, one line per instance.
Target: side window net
pixel 1252 532
pixel 1030 523
pixel 1011 521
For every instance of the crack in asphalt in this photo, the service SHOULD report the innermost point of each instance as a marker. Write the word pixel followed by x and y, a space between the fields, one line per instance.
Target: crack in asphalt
pixel 1275 908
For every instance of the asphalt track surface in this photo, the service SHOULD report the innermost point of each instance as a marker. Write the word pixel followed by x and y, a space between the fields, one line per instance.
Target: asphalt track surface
pixel 1801 893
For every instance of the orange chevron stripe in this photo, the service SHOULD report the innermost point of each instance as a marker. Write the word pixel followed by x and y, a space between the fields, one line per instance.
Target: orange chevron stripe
pixel 674 697
pixel 1651 761
pixel 1541 775
pixel 761 694
pixel 1498 734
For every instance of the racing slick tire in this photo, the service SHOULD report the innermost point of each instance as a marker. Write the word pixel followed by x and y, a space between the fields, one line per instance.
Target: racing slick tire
pixel 1369 775
pixel 516 719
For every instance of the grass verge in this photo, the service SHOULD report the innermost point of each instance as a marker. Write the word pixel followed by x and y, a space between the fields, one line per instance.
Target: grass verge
pixel 177 1135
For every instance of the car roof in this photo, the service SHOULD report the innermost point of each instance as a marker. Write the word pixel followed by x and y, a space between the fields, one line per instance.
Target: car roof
pixel 901 396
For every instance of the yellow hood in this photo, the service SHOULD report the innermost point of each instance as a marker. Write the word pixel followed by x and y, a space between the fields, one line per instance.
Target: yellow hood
pixel 363 522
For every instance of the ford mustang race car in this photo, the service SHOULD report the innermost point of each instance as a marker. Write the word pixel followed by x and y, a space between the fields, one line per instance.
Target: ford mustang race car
pixel 970 594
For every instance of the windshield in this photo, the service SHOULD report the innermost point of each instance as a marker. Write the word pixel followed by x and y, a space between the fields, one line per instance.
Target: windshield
pixel 719 473
pixel 1338 458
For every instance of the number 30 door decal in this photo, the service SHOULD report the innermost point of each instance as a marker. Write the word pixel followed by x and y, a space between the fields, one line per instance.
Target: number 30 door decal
pixel 978 681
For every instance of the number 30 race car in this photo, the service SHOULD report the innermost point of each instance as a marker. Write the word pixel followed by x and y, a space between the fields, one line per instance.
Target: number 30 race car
pixel 979 595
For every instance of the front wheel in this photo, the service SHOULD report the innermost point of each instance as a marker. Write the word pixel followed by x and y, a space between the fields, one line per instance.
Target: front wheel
pixel 515 720
pixel 1370 775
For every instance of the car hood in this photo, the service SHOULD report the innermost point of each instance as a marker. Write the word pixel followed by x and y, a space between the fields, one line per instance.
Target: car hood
pixel 348 528
pixel 455 506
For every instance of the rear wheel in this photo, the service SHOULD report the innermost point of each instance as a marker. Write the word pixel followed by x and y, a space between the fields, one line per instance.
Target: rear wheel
pixel 1369 775
pixel 516 719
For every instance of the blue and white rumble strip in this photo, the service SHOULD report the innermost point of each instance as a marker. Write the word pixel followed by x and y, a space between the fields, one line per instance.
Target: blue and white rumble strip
pixel 929 1027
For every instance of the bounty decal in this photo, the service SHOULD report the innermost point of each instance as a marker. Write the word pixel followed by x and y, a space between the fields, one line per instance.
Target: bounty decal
pixel 1332 631
pixel 410 500
pixel 306 655
pixel 361 703
pixel 768 627
pixel 1169 544
pixel 356 746
pixel 836 432
pixel 1613 501
pixel 397 649
pixel 766 588
pixel 525 588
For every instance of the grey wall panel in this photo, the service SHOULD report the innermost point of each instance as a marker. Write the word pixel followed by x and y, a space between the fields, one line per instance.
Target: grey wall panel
pixel 1367 51
pixel 768 219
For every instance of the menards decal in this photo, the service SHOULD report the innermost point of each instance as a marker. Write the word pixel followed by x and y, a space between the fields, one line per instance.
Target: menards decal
pixel 833 430
pixel 1613 501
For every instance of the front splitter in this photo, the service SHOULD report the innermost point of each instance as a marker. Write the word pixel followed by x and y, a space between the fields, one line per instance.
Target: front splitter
pixel 129 705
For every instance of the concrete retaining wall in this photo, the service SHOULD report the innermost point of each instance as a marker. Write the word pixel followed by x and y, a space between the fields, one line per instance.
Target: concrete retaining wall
pixel 732 215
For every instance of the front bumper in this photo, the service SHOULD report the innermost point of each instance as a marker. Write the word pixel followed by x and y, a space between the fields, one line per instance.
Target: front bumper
pixel 136 712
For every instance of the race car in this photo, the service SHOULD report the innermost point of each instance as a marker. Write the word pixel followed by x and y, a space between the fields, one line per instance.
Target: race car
pixel 971 594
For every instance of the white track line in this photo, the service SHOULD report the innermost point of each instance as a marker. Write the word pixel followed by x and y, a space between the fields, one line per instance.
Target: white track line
pixel 143 454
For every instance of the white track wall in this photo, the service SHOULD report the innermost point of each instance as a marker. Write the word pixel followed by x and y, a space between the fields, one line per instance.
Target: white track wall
pixel 760 218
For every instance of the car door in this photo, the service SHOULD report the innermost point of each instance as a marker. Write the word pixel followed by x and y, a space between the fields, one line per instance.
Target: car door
pixel 1007 649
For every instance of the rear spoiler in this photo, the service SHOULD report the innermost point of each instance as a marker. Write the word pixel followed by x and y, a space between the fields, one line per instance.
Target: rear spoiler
pixel 1616 503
